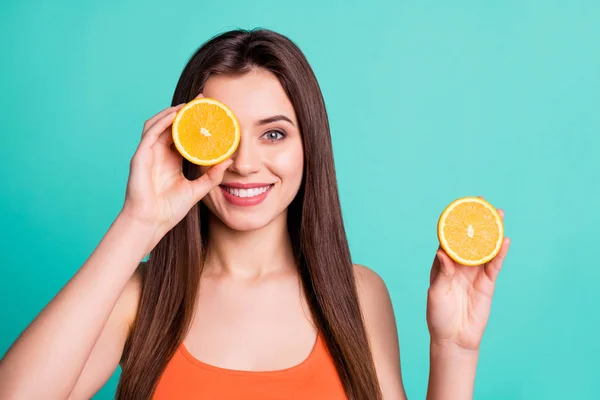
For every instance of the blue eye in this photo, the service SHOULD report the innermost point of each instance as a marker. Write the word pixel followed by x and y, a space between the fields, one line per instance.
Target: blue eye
pixel 274 135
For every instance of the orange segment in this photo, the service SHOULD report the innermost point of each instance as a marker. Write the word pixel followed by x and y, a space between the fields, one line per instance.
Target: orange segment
pixel 470 231
pixel 206 131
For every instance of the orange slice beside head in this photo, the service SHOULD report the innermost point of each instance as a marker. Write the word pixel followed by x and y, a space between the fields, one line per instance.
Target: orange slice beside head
pixel 470 231
pixel 206 132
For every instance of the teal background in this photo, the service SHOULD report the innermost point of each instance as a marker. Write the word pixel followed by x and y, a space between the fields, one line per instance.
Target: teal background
pixel 428 100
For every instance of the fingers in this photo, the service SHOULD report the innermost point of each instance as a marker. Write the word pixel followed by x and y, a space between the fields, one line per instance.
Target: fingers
pixel 446 268
pixel 435 268
pixel 149 123
pixel 211 179
pixel 500 211
pixel 166 137
pixel 154 132
pixel 492 269
pixel 443 269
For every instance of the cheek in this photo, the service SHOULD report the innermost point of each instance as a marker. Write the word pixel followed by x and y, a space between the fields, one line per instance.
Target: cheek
pixel 288 163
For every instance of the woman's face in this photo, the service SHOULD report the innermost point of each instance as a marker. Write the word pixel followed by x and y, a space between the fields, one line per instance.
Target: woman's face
pixel 268 165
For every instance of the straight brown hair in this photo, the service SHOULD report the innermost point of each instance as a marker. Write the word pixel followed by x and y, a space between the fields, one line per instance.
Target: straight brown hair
pixel 171 278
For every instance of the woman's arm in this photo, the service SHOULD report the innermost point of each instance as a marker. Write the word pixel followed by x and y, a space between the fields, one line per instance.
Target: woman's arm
pixel 84 328
pixel 49 356
pixel 459 302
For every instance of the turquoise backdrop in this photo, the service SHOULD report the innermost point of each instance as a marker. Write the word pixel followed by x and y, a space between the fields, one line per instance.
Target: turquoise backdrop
pixel 428 100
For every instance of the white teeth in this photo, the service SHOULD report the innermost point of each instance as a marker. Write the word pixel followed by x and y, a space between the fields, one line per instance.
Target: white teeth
pixel 247 192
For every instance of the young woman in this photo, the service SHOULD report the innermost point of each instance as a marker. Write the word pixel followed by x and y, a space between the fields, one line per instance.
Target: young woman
pixel 249 291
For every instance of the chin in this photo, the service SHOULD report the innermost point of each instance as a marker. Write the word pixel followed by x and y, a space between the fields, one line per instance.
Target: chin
pixel 244 219
pixel 246 223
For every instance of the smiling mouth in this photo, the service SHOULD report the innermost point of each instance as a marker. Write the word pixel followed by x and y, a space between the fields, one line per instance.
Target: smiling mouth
pixel 246 193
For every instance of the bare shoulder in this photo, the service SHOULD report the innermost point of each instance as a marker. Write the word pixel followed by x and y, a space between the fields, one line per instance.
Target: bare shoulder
pixel 368 280
pixel 380 322
pixel 373 294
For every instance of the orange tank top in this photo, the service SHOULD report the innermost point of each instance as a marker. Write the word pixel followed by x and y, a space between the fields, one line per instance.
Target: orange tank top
pixel 186 377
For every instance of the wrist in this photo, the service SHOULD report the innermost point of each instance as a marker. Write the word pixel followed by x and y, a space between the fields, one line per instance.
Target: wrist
pixel 138 215
pixel 452 371
pixel 452 349
pixel 145 234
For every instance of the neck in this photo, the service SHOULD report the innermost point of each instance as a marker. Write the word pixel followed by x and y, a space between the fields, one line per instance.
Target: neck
pixel 249 254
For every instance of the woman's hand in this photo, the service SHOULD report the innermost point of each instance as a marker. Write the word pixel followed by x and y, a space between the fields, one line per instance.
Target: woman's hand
pixel 460 298
pixel 158 194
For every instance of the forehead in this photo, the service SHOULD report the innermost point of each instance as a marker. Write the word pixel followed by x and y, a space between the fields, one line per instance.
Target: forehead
pixel 253 96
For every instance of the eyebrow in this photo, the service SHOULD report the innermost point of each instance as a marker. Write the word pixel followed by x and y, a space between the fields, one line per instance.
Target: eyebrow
pixel 274 118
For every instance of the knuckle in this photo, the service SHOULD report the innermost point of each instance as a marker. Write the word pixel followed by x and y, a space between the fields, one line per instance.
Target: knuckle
pixel 135 159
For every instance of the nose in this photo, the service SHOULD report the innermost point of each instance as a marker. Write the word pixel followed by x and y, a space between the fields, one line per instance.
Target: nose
pixel 246 159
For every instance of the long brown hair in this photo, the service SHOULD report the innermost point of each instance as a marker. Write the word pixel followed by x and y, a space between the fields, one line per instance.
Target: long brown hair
pixel 171 280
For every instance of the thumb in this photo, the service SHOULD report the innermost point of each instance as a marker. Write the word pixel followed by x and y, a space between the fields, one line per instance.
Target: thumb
pixel 210 180
pixel 447 269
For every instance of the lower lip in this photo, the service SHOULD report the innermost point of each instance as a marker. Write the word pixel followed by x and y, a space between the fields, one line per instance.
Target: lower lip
pixel 245 201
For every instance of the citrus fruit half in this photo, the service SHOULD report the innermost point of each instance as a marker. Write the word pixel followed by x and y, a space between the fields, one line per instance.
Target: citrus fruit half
pixel 470 231
pixel 206 131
